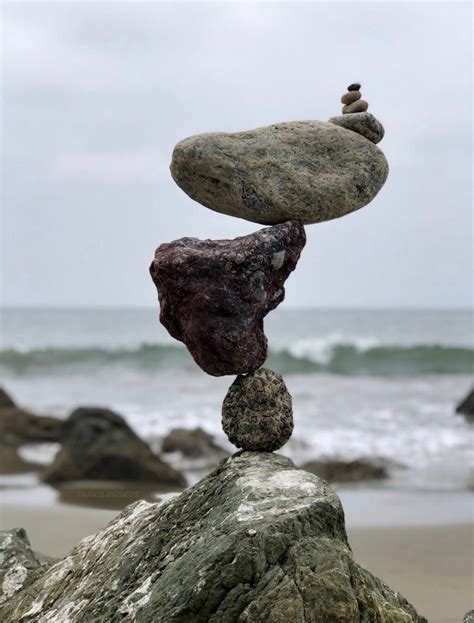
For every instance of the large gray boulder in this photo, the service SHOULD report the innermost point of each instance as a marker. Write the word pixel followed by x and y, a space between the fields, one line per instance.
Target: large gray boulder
pixel 255 541
pixel 309 171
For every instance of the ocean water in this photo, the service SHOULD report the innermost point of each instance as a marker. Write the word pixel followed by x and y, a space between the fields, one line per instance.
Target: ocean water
pixel 364 383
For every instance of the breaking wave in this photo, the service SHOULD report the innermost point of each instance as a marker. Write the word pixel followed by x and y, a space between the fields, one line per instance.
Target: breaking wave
pixel 348 357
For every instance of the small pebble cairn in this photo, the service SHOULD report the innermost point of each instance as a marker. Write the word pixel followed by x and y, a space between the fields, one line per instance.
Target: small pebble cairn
pixel 214 294
pixel 352 100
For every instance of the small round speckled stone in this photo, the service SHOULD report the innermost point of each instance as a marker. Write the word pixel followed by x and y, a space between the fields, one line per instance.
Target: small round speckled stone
pixel 355 86
pixel 257 412
pixel 351 97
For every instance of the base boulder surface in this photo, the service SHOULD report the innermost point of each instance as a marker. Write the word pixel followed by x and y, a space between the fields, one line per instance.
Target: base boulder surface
pixel 19 564
pixel 255 541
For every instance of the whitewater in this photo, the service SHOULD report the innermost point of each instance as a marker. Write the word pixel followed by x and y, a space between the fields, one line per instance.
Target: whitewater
pixel 364 383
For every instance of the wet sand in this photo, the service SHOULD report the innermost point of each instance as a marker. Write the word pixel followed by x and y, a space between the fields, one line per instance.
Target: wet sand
pixel 431 565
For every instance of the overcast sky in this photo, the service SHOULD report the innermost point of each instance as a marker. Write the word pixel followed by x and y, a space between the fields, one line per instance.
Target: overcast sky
pixel 95 95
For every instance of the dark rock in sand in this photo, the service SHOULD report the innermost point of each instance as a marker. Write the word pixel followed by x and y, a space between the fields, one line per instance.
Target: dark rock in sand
pixel 347 471
pixel 469 617
pixel 5 399
pixel 364 123
pixel 214 294
pixel 99 445
pixel 256 541
pixel 19 564
pixel 304 170
pixel 12 463
pixel 466 407
pixel 191 443
pixel 18 426
pixel 257 412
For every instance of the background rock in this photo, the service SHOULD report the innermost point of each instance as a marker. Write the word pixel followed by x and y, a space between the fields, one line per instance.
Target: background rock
pixel 99 444
pixel 346 471
pixel 364 123
pixel 214 294
pixel 191 443
pixel 18 426
pixel 256 541
pixel 466 407
pixel 5 399
pixel 306 170
pixel 12 463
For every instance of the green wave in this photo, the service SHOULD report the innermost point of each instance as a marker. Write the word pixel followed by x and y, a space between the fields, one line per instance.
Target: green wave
pixel 347 359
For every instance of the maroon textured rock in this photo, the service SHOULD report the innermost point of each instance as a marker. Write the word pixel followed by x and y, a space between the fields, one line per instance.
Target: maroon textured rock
pixel 214 294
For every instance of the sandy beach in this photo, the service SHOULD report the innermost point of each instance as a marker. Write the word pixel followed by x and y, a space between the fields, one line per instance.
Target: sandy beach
pixel 431 565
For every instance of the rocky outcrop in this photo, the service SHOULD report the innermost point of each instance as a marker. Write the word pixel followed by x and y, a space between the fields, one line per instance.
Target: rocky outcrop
pixel 98 444
pixel 347 471
pixel 19 564
pixel 466 407
pixel 310 171
pixel 214 294
pixel 256 541
pixel 18 426
pixel 257 412
pixel 194 443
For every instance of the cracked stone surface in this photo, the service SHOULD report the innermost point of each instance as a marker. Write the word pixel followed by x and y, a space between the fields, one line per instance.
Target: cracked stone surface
pixel 306 170
pixel 214 294
pixel 257 412
pixel 256 541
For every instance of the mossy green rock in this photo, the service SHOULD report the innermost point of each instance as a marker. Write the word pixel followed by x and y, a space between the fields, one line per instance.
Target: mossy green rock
pixel 255 541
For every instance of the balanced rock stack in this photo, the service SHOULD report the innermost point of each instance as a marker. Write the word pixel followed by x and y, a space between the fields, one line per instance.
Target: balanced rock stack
pixel 352 100
pixel 214 294
pixel 355 116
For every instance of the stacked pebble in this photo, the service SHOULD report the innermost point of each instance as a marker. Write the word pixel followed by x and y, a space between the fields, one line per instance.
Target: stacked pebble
pixel 352 100
pixel 214 294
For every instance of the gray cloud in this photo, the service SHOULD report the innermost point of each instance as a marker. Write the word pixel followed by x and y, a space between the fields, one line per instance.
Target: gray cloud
pixel 95 96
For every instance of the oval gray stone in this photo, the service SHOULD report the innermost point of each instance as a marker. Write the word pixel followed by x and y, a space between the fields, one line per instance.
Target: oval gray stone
pixel 305 170
pixel 364 123
pixel 350 97
pixel 358 106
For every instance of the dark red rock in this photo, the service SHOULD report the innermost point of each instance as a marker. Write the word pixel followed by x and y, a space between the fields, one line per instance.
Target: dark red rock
pixel 214 294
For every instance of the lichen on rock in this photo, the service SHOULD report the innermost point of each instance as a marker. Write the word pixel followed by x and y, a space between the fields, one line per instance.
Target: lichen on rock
pixel 256 541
